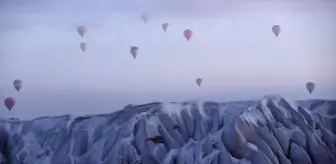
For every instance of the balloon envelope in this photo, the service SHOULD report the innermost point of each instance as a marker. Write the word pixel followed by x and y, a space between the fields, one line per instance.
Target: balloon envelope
pixel 134 51
pixel 165 27
pixel 310 86
pixel 276 29
pixel 83 46
pixel 17 84
pixel 188 34
pixel 144 17
pixel 199 82
pixel 9 103
pixel 81 30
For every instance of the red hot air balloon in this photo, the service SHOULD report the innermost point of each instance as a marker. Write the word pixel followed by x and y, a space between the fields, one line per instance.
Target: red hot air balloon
pixel 188 34
pixel 9 103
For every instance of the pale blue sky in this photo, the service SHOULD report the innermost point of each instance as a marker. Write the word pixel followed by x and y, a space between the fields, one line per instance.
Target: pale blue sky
pixel 233 50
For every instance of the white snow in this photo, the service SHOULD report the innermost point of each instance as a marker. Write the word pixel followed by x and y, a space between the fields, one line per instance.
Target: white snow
pixel 184 145
pixel 252 146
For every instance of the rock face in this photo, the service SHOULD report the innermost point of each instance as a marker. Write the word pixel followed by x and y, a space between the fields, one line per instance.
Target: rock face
pixel 268 131
pixel 3 144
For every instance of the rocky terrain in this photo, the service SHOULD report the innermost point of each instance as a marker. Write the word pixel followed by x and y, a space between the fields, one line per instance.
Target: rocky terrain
pixel 268 131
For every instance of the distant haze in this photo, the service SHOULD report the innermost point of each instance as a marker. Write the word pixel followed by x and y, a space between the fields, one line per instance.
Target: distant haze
pixel 233 50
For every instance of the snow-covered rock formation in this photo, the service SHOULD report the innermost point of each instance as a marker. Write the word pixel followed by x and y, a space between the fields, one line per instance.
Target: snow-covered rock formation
pixel 269 131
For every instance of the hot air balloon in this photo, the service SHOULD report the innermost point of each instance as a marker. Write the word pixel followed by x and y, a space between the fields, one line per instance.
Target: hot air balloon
pixel 9 103
pixel 199 82
pixel 310 86
pixel 83 46
pixel 144 17
pixel 276 29
pixel 81 30
pixel 187 34
pixel 134 51
pixel 17 84
pixel 165 27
